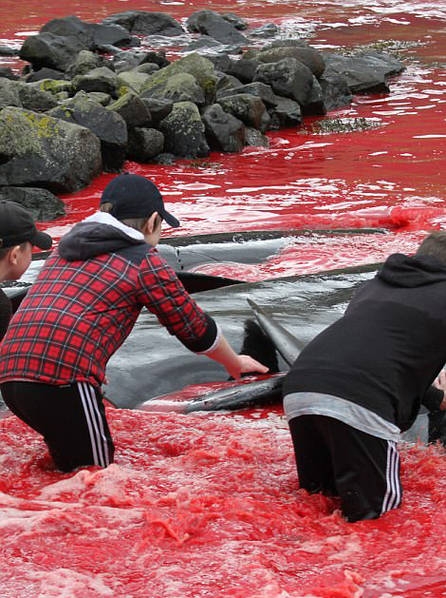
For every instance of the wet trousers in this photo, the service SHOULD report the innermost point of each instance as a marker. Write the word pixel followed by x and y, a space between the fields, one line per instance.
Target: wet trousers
pixel 339 460
pixel 70 418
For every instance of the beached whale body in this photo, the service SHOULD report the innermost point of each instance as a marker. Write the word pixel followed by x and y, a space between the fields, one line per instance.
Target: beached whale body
pixel 263 392
pixel 151 363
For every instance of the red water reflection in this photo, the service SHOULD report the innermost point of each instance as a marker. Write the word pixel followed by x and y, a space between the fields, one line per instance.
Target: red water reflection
pixel 209 505
pixel 389 176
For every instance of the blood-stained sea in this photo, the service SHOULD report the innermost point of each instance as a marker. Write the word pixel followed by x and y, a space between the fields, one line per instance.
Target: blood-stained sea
pixel 209 504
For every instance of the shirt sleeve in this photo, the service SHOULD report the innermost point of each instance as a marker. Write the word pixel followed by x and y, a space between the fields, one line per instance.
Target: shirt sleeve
pixel 164 295
pixel 432 398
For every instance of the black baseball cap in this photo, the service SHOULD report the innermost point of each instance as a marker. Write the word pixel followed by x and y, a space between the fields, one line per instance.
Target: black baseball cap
pixel 17 226
pixel 134 196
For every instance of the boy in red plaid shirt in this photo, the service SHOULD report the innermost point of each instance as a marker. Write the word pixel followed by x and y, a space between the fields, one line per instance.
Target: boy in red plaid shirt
pixel 83 306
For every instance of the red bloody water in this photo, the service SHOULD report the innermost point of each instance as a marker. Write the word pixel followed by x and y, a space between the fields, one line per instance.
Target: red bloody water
pixel 390 176
pixel 209 505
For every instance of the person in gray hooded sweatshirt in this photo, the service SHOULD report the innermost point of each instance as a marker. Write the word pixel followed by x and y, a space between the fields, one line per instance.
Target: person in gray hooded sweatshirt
pixel 82 307
pixel 361 382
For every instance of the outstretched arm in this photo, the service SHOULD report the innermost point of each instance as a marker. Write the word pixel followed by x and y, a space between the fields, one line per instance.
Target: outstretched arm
pixel 165 296
pixel 236 365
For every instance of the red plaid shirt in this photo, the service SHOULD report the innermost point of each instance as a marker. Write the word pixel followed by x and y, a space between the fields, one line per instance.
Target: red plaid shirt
pixel 78 313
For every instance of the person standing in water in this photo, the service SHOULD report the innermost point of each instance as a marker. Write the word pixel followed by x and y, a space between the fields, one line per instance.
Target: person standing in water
pixel 361 382
pixel 82 307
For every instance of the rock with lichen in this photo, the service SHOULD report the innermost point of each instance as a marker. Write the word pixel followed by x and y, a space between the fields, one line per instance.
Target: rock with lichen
pixel 42 151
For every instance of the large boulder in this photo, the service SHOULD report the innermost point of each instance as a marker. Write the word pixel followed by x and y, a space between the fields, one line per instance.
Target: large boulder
pixel 40 151
pixel 243 69
pixel 9 93
pixel 248 108
pixel 290 78
pixel 309 56
pixel 43 73
pixel 140 22
pixel 225 132
pixel 59 88
pixel 101 79
pixel 84 62
pixel 336 90
pixel 52 51
pixel 127 60
pixel 132 109
pixel 35 99
pixel 107 125
pixel 93 35
pixel 70 26
pixel 180 87
pixel 158 108
pixel 184 131
pixel 144 144
pixel 198 66
pixel 133 80
pixel 285 113
pixel 262 91
pixel 210 23
pixel 111 35
pixel 365 72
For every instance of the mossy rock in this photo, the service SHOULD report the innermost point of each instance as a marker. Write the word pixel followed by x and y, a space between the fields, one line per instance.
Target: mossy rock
pixel 198 66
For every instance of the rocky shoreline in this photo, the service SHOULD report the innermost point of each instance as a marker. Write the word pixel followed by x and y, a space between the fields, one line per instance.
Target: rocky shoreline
pixel 92 96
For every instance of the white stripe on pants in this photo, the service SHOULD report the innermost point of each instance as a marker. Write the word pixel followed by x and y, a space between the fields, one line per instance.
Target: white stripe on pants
pixel 99 445
pixel 392 498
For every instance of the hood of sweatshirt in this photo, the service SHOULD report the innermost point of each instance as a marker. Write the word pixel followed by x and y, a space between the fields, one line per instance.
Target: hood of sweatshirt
pixel 98 234
pixel 404 271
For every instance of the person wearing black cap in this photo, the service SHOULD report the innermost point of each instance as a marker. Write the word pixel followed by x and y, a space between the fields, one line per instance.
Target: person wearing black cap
pixel 18 234
pixel 83 306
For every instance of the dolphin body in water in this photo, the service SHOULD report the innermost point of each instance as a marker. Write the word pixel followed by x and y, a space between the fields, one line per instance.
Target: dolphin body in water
pixel 187 254
pixel 260 344
pixel 264 390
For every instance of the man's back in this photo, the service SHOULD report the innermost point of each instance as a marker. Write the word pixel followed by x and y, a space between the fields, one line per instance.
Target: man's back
pixel 384 353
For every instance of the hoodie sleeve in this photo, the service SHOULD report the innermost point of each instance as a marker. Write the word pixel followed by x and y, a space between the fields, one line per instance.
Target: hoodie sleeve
pixel 433 398
pixel 165 296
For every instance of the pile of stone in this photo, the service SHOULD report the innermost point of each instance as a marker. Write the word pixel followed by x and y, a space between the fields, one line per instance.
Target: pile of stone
pixel 92 96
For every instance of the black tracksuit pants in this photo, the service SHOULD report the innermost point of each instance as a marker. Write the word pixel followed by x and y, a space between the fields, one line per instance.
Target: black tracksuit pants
pixel 339 460
pixel 70 418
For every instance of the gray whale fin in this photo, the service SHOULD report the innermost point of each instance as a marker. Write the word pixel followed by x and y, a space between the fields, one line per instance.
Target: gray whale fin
pixel 286 343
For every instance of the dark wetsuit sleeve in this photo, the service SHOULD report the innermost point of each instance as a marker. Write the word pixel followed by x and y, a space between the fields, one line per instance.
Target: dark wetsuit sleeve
pixel 433 398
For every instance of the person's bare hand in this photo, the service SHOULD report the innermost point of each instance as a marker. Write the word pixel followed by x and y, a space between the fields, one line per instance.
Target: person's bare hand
pixel 248 365
pixel 440 382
